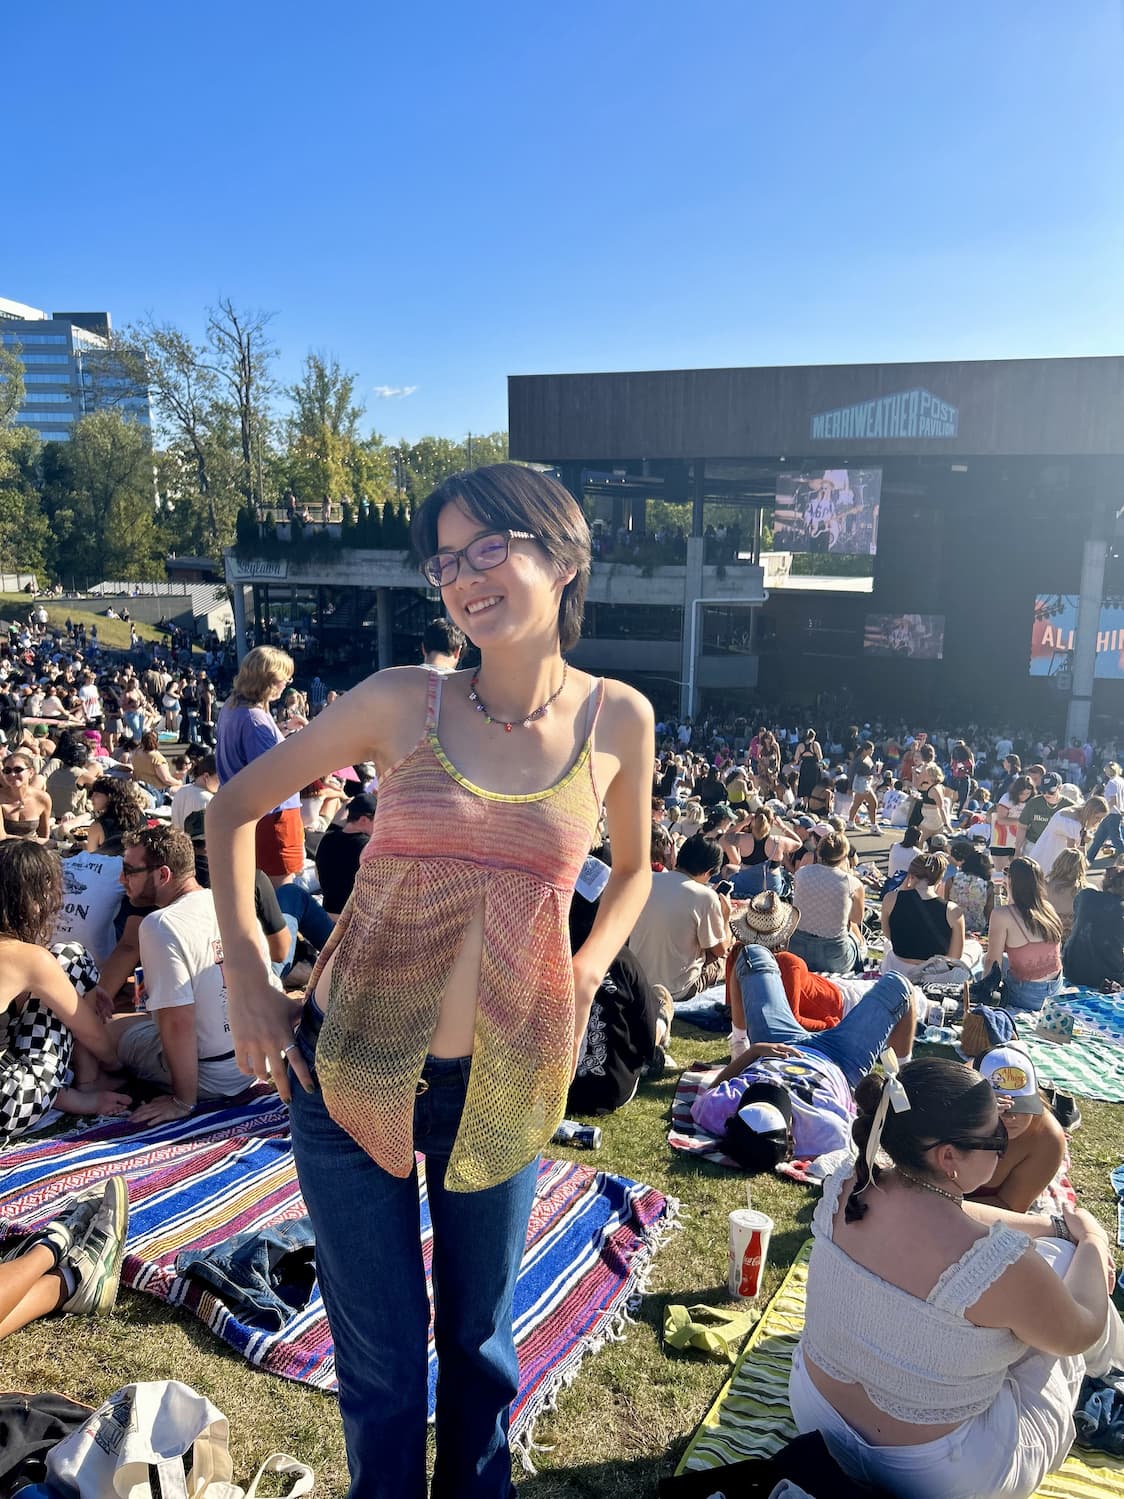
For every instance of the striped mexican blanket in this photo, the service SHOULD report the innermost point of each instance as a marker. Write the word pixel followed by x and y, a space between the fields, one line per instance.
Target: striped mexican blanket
pixel 229 1169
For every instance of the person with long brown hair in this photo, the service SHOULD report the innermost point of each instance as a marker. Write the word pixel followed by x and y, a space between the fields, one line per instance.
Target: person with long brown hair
pixel 1070 827
pixel 1027 932
pixel 25 809
pixel 447 1013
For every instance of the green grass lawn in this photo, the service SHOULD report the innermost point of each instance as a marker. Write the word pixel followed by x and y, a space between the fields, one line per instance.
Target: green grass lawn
pixel 624 1422
pixel 112 633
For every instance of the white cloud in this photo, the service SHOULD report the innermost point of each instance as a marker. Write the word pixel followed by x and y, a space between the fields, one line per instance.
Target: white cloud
pixel 393 392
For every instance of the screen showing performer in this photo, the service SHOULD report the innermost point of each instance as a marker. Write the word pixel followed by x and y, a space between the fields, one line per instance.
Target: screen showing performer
pixel 829 510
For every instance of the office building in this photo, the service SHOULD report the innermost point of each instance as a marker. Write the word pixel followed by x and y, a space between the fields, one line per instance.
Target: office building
pixel 70 369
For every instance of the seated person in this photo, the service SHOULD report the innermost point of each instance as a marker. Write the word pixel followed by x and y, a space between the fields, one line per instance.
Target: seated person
pixel 817 1072
pixel 151 768
pixel 117 809
pixel 195 796
pixel 1094 951
pixel 54 1050
pixel 920 925
pixel 1064 879
pixel 183 1043
pixel 1024 940
pixel 817 1002
pixel 1036 1141
pixel 830 898
pixel 968 885
pixel 761 844
pixel 682 935
pixel 340 850
pixel 945 1340
pixel 25 809
pixel 629 1022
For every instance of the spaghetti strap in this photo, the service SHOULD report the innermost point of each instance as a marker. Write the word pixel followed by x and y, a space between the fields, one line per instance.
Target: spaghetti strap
pixel 593 712
pixel 433 701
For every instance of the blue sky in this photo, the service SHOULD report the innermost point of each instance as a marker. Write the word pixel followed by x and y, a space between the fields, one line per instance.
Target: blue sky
pixel 444 194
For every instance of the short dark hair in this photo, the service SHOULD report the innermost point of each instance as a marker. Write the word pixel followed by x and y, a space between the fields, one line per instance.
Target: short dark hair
pixel 443 636
pixel 513 498
pixel 699 856
pixel 167 846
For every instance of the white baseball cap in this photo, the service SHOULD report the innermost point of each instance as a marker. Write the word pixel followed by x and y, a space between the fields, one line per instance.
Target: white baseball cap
pixel 1011 1074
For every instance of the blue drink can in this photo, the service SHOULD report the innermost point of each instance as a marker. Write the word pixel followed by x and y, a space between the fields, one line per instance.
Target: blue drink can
pixel 580 1136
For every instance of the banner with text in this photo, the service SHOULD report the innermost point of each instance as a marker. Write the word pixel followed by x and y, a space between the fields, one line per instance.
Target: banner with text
pixel 1054 634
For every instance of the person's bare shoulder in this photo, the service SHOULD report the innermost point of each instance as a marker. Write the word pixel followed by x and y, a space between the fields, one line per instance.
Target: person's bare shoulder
pixel 625 712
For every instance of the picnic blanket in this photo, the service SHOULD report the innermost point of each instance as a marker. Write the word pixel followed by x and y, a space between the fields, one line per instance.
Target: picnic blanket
pixel 751 1417
pixel 229 1169
pixel 1088 1066
pixel 707 1010
pixel 684 1133
pixel 1098 1014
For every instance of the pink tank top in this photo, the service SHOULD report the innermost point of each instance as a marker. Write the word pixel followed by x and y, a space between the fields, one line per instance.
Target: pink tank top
pixel 440 850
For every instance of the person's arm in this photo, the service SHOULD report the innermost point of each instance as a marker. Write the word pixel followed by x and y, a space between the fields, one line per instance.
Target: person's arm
pixel 354 727
pixel 759 1049
pixel 95 836
pixel 271 919
pixel 858 905
pixel 956 942
pixel 626 733
pixel 1031 1176
pixel 1058 1315
pixel 119 966
pixel 176 1025
pixel 35 970
pixel 43 831
pixel 996 938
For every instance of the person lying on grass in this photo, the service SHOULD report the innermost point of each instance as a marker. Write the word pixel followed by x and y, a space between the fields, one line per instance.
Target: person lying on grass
pixel 790 1088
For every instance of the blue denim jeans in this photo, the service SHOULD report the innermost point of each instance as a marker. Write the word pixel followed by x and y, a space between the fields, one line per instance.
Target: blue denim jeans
pixel 372 1279
pixel 264 1276
pixel 752 879
pixel 1108 832
pixel 854 1045
pixel 304 915
pixel 825 954
pixel 1028 994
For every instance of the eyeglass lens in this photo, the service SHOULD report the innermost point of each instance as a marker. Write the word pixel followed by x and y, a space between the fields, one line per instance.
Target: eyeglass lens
pixel 482 554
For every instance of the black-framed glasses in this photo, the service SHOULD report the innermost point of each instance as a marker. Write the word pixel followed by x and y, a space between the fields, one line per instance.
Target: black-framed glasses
pixel 997 1142
pixel 130 871
pixel 482 553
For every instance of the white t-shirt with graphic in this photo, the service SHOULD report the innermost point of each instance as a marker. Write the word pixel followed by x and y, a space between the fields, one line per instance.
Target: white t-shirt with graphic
pixel 181 954
pixel 91 898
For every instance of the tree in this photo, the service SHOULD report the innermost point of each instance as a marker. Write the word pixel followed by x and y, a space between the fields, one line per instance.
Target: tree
pixel 241 356
pixel 428 461
pixel 12 388
pixel 25 535
pixel 322 431
pixel 101 497
pixel 195 424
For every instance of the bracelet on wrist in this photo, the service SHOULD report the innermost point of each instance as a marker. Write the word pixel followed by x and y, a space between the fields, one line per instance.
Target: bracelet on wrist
pixel 1060 1229
pixel 182 1103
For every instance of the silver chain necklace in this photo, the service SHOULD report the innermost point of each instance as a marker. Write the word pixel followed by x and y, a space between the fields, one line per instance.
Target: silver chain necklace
pixel 919 1181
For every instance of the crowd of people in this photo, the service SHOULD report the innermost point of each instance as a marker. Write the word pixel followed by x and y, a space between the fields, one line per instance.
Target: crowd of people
pixel 451 905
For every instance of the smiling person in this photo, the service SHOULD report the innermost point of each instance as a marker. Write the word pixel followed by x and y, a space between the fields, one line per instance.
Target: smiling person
pixel 446 1012
pixel 25 810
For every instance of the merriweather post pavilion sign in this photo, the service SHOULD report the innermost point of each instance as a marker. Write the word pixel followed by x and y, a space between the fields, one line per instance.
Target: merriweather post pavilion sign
pixel 909 413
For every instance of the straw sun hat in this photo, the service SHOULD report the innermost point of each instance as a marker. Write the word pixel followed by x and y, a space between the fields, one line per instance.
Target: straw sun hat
pixel 766 921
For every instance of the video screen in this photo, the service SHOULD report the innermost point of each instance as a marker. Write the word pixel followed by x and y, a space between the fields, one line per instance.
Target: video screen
pixel 918 636
pixel 829 510
pixel 1053 635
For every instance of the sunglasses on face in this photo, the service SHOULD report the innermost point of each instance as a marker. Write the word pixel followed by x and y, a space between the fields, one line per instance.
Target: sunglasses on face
pixel 997 1142
pixel 482 554
pixel 15 770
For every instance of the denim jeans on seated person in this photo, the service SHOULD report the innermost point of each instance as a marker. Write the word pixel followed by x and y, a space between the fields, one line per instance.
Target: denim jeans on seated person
pixel 264 1276
pixel 854 1045
pixel 752 879
pixel 826 954
pixel 372 1279
pixel 304 915
pixel 1028 995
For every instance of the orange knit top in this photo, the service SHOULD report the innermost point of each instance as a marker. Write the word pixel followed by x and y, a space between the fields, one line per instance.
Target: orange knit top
pixel 442 849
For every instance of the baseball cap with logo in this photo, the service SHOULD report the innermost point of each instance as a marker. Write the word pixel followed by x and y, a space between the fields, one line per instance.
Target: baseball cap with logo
pixel 1050 782
pixel 1011 1074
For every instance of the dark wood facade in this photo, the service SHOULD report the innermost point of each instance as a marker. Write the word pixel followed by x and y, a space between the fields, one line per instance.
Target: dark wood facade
pixel 1006 407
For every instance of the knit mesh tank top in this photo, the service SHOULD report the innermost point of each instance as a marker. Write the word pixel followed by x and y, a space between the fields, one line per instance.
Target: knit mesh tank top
pixel 441 849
